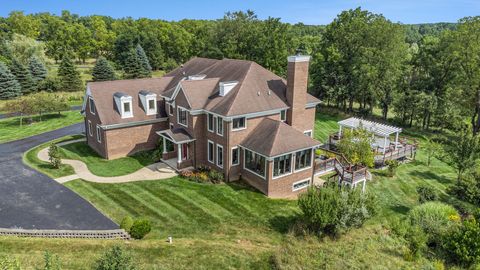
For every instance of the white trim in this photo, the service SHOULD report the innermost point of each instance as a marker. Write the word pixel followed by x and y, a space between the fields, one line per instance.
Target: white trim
pixel 178 116
pixel 90 102
pixel 151 111
pixel 220 120
pixel 301 181
pixel 247 169
pixel 208 152
pixel 89 126
pixel 175 92
pixel 210 128
pixel 298 58
pixel 99 135
pixel 216 148
pixel 248 115
pixel 231 155
pixel 292 161
pixel 311 133
pixel 241 128
pixel 135 123
pixel 123 101
pixel 170 105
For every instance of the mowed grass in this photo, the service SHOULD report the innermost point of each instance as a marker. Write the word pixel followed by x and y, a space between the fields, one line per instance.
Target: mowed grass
pixel 102 167
pixel 11 130
pixel 324 126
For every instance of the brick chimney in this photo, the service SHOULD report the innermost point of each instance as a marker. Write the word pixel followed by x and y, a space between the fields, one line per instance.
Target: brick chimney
pixel 297 82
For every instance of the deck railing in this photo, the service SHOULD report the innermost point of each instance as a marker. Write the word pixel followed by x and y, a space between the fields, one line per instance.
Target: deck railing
pixel 344 168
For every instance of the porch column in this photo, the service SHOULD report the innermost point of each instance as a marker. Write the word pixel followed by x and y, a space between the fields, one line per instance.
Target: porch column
pixel 396 140
pixel 164 145
pixel 179 153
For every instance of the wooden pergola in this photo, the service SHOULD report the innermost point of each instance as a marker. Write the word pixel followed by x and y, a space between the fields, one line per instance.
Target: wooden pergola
pixel 377 129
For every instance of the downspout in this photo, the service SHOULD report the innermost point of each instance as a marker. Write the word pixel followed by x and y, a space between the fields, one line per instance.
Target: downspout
pixel 228 151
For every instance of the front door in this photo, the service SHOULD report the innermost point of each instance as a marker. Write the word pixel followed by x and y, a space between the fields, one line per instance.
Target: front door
pixel 185 151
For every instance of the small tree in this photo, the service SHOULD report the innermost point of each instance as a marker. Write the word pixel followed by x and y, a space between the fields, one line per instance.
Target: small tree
pixel 356 146
pixel 432 149
pixel 145 68
pixel 23 77
pixel 9 86
pixel 37 69
pixel 69 76
pixel 463 151
pixel 23 105
pixel 114 259
pixel 54 156
pixel 103 71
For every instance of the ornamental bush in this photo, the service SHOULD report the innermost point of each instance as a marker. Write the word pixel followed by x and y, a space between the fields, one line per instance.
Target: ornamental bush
pixel 426 193
pixel 126 223
pixel 114 259
pixel 54 156
pixel 140 228
pixel 392 167
pixel 435 218
pixel 215 176
pixel 463 245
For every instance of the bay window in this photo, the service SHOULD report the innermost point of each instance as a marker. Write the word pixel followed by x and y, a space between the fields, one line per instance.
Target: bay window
pixel 254 162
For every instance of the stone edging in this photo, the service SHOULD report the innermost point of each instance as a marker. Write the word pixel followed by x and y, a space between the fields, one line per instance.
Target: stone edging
pixel 92 234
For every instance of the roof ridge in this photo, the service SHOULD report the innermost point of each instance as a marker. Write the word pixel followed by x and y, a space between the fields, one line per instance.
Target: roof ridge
pixel 235 94
pixel 124 80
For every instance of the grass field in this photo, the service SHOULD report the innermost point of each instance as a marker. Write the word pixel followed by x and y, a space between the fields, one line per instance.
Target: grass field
pixel 10 129
pixel 231 226
pixel 102 167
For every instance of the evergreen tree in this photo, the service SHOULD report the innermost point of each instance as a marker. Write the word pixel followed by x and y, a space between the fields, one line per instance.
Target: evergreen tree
pixel 103 71
pixel 69 76
pixel 23 77
pixel 132 67
pixel 37 69
pixel 9 86
pixel 146 69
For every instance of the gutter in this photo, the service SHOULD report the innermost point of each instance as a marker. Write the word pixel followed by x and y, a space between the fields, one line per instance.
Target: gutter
pixel 133 124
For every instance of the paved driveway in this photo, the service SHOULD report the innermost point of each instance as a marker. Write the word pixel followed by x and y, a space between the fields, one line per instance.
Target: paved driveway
pixel 31 200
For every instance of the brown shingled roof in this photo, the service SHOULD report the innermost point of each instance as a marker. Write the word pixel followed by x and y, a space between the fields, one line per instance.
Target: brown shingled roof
pixel 272 138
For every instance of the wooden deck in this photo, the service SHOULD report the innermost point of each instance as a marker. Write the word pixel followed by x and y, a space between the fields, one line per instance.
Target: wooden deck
pixel 345 171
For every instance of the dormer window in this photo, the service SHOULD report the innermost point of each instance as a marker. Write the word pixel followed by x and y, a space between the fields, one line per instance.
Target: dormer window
pixel 149 102
pixel 226 87
pixel 124 104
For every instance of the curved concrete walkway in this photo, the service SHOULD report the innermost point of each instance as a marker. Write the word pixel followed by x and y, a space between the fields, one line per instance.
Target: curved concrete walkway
pixel 154 171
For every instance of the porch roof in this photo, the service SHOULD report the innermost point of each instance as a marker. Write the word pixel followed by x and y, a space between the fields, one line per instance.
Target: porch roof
pixel 176 135
pixel 374 127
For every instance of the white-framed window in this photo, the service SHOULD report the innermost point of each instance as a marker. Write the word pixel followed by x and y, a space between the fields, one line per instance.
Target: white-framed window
pixel 210 151
pixel 303 159
pixel 182 116
pixel 300 184
pixel 282 165
pixel 254 163
pixel 219 156
pixel 220 126
pixel 99 134
pixel 151 106
pixel 283 115
pixel 210 122
pixel 127 110
pixel 235 156
pixel 239 123
pixel 308 133
pixel 91 105
pixel 90 131
pixel 170 108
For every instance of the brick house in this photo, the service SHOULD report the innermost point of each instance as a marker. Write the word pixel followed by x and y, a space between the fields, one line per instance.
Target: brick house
pixel 231 115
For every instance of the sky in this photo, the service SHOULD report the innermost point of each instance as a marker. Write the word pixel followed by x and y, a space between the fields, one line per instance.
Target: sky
pixel 306 11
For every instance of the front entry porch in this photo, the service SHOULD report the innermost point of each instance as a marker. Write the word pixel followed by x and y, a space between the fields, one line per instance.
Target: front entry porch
pixel 178 148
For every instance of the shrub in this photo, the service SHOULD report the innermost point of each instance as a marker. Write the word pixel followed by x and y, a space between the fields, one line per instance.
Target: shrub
pixel 140 228
pixel 426 193
pixel 215 176
pixel 7 263
pixel 54 156
pixel 52 262
pixel 434 218
pixel 200 177
pixel 332 210
pixel 114 259
pixel 392 167
pixel 468 188
pixel 463 245
pixel 417 241
pixel 126 223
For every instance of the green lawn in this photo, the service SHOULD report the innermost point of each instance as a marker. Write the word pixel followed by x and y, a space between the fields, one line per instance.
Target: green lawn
pixel 11 130
pixel 231 226
pixel 102 167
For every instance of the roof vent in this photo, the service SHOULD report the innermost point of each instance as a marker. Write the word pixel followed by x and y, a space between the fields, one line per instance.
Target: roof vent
pixel 226 87
pixel 196 77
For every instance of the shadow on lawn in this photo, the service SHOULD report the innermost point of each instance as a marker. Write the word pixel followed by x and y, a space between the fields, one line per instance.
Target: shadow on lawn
pixel 282 224
pixel 27 120
pixel 401 209
pixel 426 175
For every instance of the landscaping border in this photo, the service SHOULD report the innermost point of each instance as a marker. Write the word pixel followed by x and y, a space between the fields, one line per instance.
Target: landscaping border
pixel 93 234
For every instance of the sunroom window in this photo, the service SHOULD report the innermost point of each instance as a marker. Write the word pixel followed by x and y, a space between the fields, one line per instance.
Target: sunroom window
pixel 254 163
pixel 303 159
pixel 282 165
